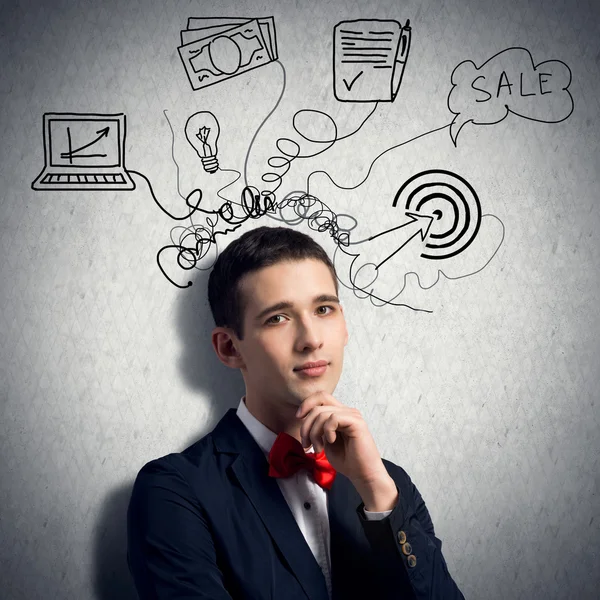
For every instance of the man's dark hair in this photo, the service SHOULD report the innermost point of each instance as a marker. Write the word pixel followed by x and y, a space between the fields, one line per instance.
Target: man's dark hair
pixel 254 250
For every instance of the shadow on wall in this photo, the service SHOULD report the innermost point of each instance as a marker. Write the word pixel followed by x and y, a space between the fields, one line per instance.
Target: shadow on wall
pixel 198 364
pixel 111 574
pixel 207 377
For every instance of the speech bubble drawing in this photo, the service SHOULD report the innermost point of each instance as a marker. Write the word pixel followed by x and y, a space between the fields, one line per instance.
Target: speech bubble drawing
pixel 509 82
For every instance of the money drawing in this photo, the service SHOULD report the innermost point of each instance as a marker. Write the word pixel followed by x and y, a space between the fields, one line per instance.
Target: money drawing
pixel 213 50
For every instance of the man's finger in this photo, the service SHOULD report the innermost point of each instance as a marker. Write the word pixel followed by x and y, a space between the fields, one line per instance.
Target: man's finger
pixel 319 398
pixel 312 428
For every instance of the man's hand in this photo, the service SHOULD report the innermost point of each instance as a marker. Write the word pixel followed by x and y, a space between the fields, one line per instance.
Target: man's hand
pixel 349 446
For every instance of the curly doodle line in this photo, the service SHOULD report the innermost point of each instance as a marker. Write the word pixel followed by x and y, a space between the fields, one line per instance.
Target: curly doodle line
pixel 188 257
pixel 285 161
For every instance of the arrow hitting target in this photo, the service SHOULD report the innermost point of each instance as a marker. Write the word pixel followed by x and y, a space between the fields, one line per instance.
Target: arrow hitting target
pixel 453 204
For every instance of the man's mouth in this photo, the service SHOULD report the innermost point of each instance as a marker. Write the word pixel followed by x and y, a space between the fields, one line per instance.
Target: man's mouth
pixel 312 365
pixel 313 369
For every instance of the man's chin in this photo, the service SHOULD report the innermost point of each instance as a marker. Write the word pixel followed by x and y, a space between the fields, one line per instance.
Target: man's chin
pixel 308 388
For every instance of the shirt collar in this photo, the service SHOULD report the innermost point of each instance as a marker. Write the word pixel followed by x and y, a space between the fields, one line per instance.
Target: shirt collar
pixel 262 435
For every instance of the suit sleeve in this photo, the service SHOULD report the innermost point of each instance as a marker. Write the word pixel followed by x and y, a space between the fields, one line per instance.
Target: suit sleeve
pixel 405 544
pixel 170 550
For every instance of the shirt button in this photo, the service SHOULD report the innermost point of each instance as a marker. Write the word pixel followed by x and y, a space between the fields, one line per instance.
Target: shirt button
pixel 307 505
pixel 401 537
pixel 406 548
pixel 412 560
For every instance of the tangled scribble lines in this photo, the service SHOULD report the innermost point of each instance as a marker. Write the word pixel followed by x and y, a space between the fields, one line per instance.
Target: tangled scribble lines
pixel 438 217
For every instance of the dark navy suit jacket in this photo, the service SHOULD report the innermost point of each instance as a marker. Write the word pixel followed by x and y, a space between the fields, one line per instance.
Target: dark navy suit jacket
pixel 210 522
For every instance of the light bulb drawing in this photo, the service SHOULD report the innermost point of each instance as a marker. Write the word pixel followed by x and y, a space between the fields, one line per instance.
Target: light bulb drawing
pixel 202 132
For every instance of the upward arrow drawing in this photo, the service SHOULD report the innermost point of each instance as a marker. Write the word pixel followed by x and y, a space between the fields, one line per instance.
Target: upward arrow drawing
pixel 71 153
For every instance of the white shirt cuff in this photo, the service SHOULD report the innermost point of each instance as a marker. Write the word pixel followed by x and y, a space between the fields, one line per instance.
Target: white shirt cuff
pixel 376 516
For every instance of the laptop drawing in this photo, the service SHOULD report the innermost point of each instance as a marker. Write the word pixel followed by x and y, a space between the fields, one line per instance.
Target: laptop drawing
pixel 84 152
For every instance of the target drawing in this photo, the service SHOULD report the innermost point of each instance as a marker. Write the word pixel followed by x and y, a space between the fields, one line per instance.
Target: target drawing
pixel 451 201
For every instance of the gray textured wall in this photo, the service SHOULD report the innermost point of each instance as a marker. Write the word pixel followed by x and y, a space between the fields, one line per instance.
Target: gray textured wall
pixel 489 401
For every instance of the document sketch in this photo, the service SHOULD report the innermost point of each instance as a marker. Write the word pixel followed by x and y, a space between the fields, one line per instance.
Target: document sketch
pixel 369 57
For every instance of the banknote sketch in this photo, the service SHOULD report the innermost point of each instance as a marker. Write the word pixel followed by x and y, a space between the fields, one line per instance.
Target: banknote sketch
pixel 83 151
pixel 216 49
pixel 369 58
pixel 509 82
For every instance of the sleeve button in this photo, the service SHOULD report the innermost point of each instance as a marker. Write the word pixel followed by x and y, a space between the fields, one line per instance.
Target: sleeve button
pixel 401 537
pixel 412 560
pixel 406 548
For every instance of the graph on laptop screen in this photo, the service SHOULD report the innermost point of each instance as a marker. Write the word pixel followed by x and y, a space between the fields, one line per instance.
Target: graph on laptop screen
pixel 84 143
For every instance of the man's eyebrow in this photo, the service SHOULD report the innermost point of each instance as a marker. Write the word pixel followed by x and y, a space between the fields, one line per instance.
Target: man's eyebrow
pixel 286 304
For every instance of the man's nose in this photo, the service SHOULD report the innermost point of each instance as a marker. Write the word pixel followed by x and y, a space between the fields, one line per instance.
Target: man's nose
pixel 309 334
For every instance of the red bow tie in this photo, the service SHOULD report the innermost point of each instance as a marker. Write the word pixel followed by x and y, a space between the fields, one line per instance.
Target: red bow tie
pixel 287 456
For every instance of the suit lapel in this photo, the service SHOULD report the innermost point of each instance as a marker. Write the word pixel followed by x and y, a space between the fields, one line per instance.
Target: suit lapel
pixel 252 472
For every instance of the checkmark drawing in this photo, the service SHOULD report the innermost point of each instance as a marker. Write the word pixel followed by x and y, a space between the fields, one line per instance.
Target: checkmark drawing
pixel 349 85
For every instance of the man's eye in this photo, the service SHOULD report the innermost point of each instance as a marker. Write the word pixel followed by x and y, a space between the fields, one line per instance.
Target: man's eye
pixel 270 319
pixel 326 306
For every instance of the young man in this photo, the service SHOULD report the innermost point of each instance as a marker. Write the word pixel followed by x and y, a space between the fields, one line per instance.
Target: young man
pixel 273 504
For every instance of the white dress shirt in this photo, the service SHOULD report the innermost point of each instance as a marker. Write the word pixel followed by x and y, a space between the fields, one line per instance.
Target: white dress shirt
pixel 307 500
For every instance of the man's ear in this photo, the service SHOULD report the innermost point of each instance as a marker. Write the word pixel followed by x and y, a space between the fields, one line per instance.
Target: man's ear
pixel 225 348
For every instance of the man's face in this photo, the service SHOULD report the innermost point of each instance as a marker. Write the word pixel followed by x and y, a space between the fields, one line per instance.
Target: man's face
pixel 279 340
